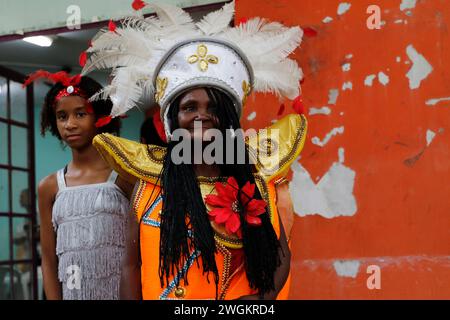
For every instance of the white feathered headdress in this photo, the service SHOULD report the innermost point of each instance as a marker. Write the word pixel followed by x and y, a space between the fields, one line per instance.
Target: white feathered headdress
pixel 167 54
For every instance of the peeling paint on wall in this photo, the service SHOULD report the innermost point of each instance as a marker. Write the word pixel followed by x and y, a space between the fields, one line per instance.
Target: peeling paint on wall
pixel 407 4
pixel 352 204
pixel 369 80
pixel 331 197
pixel 346 67
pixel 430 137
pixel 251 116
pixel 333 96
pixel 420 69
pixel 433 102
pixel 383 78
pixel 347 86
pixel 343 8
pixel 332 133
pixel 316 111
pixel 347 268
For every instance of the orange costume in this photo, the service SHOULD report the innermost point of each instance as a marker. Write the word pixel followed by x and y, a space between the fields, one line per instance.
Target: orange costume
pixel 135 161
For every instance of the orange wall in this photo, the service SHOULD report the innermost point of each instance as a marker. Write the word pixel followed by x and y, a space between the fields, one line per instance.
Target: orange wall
pixel 377 191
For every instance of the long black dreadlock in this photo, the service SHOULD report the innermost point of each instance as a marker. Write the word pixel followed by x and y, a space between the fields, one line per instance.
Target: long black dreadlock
pixel 182 199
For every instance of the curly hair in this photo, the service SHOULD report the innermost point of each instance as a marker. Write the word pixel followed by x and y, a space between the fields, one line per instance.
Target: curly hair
pixel 101 108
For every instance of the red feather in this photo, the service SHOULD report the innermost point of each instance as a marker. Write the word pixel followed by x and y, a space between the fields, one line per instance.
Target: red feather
pixel 138 5
pixel 242 20
pixel 82 59
pixel 103 121
pixel 112 26
pixel 159 127
pixel 89 108
pixel 297 104
pixel 281 110
pixel 75 80
pixel 36 75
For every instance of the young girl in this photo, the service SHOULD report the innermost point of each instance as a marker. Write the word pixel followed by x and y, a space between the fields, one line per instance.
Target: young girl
pixel 82 206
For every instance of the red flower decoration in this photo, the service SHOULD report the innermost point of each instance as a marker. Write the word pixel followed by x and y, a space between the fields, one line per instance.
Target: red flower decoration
pixel 138 5
pixel 103 121
pixel 227 206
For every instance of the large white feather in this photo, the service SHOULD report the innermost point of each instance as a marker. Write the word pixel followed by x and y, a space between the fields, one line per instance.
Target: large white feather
pixel 217 21
pixel 281 78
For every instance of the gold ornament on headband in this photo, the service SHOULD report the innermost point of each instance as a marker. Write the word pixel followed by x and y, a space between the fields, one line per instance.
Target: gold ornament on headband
pixel 203 58
pixel 246 88
pixel 161 85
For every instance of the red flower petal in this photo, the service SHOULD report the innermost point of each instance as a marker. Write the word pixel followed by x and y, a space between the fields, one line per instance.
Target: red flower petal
pixel 216 201
pixel 233 183
pixel 112 26
pixel 218 211
pixel 82 59
pixel 254 221
pixel 223 215
pixel 298 105
pixel 233 223
pixel 247 193
pixel 256 207
pixel 227 192
pixel 138 5
pixel 103 121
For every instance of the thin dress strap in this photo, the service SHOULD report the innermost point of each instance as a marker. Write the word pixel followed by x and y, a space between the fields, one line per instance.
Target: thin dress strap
pixel 112 177
pixel 60 179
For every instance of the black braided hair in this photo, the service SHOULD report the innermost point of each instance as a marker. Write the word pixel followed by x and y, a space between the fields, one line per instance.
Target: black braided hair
pixel 182 199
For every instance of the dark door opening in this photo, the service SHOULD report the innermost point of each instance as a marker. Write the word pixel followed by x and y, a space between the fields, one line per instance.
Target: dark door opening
pixel 18 233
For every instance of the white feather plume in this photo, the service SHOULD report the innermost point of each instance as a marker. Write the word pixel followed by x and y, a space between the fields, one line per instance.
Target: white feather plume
pixel 134 50
pixel 217 21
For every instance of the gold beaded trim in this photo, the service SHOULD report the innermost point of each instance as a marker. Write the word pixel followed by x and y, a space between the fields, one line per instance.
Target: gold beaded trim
pixel 228 242
pixel 138 196
pixel 125 160
pixel 226 269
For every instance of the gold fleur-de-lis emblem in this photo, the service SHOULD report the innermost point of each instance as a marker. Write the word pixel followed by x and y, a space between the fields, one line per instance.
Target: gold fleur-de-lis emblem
pixel 161 85
pixel 203 58
pixel 246 88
